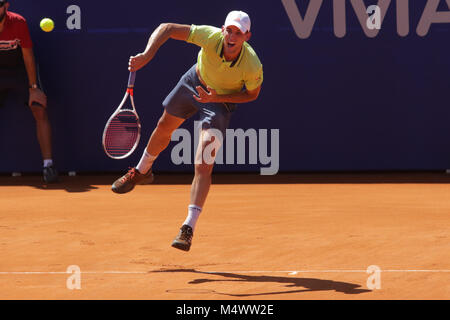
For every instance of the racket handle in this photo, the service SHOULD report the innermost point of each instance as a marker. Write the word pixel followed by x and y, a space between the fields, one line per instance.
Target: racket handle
pixel 131 79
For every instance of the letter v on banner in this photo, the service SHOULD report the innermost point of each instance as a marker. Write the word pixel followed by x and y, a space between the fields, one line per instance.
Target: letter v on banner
pixel 302 27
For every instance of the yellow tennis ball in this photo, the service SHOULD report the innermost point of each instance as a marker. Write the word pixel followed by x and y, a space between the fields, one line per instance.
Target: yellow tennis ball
pixel 47 24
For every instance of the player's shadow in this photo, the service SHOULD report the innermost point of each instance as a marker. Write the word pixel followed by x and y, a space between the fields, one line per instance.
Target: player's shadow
pixel 306 284
pixel 69 184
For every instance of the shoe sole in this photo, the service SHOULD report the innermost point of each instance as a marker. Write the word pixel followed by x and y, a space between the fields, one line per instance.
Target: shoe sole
pixel 180 246
pixel 148 180
pixel 116 190
pixel 55 180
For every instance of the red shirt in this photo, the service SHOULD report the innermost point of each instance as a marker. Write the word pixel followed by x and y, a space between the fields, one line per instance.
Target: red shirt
pixel 15 35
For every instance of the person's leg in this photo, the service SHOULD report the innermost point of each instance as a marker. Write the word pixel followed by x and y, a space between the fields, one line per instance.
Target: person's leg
pixel 43 133
pixel 208 147
pixel 204 162
pixel 214 120
pixel 158 141
pixel 19 84
pixel 43 130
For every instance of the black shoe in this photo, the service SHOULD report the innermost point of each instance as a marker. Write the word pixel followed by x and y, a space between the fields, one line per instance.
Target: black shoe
pixel 184 238
pixel 133 177
pixel 50 174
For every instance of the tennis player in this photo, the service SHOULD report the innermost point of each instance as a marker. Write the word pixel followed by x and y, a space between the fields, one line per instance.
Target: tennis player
pixel 227 72
pixel 18 75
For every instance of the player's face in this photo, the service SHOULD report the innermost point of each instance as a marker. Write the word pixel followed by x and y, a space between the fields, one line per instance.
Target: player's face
pixel 3 11
pixel 234 39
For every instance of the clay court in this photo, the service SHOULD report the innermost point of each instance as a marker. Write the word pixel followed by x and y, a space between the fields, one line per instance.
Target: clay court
pixel 289 237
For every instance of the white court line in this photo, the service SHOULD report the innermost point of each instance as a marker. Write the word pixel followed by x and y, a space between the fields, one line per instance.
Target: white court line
pixel 290 272
pixel 83 272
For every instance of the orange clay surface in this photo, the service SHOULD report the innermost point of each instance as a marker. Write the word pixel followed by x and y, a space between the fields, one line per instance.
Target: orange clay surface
pixel 309 236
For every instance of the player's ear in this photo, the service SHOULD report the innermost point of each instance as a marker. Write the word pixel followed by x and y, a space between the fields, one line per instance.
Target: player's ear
pixel 248 35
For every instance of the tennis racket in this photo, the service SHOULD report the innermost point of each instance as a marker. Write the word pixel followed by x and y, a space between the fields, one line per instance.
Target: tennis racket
pixel 123 129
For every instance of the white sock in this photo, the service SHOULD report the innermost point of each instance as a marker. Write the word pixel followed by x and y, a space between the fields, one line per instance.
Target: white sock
pixel 193 214
pixel 146 162
pixel 48 163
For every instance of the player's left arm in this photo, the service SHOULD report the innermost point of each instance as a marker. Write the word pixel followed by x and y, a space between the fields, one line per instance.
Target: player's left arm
pixel 36 94
pixel 239 97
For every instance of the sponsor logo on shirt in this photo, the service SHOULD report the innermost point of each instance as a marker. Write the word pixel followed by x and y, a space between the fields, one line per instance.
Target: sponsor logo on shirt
pixel 9 45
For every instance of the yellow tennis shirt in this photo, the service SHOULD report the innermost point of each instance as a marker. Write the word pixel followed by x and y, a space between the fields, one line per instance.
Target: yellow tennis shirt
pixel 226 77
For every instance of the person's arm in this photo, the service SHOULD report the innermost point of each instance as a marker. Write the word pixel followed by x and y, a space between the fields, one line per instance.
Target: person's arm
pixel 36 95
pixel 212 96
pixel 163 33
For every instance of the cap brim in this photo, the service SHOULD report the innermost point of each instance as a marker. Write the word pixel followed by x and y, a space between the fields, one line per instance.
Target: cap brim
pixel 236 24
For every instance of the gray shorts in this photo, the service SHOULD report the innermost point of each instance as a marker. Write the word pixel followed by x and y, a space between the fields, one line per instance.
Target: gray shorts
pixel 181 103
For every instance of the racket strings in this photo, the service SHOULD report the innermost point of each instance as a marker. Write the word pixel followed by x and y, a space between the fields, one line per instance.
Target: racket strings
pixel 122 134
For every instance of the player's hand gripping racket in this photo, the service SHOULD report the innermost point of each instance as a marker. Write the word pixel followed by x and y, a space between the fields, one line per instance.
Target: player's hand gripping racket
pixel 123 130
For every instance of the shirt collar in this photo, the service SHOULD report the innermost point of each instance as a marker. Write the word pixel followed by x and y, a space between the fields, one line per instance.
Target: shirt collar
pixel 234 62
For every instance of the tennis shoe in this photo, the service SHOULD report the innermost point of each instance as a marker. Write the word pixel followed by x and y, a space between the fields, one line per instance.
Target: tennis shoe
pixel 133 177
pixel 50 174
pixel 184 238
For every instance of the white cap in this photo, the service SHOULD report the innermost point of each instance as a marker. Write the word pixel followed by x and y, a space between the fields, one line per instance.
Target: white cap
pixel 239 19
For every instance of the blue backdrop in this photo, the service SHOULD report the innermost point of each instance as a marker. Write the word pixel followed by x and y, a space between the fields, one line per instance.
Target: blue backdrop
pixel 351 103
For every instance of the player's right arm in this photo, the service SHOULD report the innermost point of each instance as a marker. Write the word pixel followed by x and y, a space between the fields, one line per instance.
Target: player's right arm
pixel 163 33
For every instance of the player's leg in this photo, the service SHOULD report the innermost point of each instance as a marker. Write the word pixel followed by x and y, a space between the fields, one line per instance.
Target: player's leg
pixel 214 121
pixel 207 149
pixel 158 141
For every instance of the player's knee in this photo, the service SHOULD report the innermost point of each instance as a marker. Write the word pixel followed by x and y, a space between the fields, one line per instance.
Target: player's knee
pixel 165 126
pixel 40 114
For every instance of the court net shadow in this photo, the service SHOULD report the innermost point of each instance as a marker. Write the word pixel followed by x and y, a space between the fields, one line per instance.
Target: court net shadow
pixel 298 284
pixel 66 183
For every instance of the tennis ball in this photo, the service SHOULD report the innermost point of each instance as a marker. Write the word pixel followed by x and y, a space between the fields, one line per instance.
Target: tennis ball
pixel 47 24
